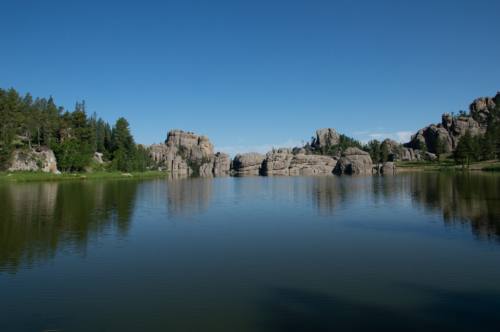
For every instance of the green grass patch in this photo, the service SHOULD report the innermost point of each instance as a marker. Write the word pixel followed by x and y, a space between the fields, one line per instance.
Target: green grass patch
pixel 492 168
pixel 453 169
pixel 76 176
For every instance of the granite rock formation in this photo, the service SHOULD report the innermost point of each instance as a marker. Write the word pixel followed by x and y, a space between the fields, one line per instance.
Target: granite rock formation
pixel 388 168
pixel 189 144
pixel 198 146
pixel 42 158
pixel 482 106
pixel 452 128
pixel 354 161
pixel 248 163
pixel 98 157
pixel 219 165
pixel 303 164
pixel 323 135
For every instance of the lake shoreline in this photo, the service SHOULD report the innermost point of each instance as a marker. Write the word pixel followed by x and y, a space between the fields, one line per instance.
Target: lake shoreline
pixel 20 176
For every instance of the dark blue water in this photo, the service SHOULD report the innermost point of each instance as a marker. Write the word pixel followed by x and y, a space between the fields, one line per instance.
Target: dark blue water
pixel 408 252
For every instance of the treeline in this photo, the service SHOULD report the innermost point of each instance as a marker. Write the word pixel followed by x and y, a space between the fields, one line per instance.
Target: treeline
pixel 28 123
pixel 379 152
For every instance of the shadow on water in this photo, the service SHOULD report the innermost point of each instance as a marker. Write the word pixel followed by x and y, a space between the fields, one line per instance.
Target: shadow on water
pixel 289 310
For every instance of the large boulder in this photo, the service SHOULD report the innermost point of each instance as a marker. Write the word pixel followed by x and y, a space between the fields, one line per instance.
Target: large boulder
pixel 98 157
pixel 219 165
pixel 248 163
pixel 354 161
pixel 303 164
pixel 277 162
pixel 480 108
pixel 388 168
pixel 41 159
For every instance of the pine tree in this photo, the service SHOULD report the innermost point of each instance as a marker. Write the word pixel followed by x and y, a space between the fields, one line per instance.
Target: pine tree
pixel 384 152
pixel 423 148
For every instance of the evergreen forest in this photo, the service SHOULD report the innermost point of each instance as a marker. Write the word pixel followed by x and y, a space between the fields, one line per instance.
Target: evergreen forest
pixel 36 123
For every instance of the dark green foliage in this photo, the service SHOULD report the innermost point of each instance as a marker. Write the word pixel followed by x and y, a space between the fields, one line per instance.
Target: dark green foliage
pixel 384 152
pixel 492 168
pixel 332 149
pixel 423 148
pixel 466 149
pixel 452 169
pixel 373 148
pixel 439 147
pixel 72 155
pixel 72 136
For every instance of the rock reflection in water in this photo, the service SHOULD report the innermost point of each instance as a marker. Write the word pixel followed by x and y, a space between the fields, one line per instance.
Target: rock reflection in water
pixel 38 219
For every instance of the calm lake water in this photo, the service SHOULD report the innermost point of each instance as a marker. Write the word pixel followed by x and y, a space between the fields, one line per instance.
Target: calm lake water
pixel 411 252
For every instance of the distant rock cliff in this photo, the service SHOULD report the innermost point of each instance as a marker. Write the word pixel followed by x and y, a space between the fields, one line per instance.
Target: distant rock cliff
pixel 452 128
pixel 181 147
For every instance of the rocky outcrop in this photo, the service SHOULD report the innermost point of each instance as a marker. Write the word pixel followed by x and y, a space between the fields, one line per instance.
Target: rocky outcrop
pixel 277 162
pixel 480 108
pixel 283 162
pixel 42 158
pixel 388 168
pixel 248 163
pixel 98 157
pixel 198 146
pixel 303 164
pixel 452 128
pixel 178 144
pixel 326 136
pixel 354 161
pixel 219 165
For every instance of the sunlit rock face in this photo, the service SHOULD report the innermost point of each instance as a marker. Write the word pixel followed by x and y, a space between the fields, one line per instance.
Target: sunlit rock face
pixel 187 144
pixel 41 159
pixel 248 163
pixel 312 164
pixel 354 161
pixel 388 168
pixel 452 128
pixel 326 136
pixel 198 146
pixel 219 165
pixel 277 162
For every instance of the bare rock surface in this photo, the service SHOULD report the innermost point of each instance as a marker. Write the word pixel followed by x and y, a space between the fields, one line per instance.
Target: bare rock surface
pixel 190 144
pixel 354 161
pixel 277 162
pixel 388 168
pixel 190 140
pixel 248 163
pixel 98 157
pixel 452 128
pixel 218 166
pixel 324 135
pixel 43 159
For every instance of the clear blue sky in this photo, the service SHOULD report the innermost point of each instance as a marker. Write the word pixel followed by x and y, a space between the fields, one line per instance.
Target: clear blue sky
pixel 255 74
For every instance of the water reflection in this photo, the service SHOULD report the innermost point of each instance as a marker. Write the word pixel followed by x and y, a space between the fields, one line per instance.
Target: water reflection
pixel 38 219
pixel 465 199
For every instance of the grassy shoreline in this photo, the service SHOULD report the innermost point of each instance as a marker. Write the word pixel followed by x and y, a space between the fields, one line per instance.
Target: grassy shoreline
pixel 76 176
